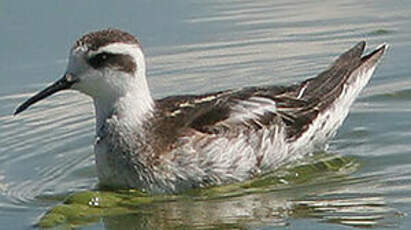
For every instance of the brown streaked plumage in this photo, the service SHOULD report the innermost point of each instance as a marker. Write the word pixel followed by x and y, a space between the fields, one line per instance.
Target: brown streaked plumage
pixel 191 141
pixel 296 113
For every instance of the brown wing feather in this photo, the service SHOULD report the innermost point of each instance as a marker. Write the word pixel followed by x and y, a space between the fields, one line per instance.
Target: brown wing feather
pixel 295 107
pixel 318 93
pixel 207 113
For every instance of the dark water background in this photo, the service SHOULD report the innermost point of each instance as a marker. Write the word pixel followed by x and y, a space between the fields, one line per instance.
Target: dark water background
pixel 196 47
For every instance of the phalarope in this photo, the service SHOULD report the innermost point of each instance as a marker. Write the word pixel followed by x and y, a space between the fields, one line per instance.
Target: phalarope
pixel 190 141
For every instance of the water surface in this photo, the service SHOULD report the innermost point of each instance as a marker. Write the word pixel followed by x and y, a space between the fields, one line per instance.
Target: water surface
pixel 197 47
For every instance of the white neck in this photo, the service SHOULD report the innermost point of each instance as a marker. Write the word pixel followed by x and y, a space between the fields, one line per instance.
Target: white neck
pixel 130 108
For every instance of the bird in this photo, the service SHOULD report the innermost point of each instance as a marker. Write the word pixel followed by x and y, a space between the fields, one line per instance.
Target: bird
pixel 183 142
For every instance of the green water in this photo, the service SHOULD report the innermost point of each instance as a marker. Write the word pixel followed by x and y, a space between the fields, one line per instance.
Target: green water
pixel 82 208
pixel 196 47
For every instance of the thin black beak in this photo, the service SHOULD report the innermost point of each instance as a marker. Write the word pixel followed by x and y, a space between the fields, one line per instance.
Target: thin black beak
pixel 64 83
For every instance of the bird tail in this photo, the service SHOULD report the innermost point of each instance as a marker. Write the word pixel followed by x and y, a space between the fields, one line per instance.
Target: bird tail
pixel 329 96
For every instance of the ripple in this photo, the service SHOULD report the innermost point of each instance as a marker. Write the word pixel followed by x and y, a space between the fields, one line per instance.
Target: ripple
pixel 44 145
pixel 357 211
pixel 47 150
pixel 269 42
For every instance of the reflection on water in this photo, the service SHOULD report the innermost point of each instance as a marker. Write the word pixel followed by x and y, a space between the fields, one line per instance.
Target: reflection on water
pixel 327 204
pixel 317 187
pixel 350 209
pixel 47 151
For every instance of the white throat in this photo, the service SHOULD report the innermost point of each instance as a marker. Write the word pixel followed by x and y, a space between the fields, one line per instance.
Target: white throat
pixel 130 109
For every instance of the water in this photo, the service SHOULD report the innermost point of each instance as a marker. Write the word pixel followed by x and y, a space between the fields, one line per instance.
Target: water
pixel 196 47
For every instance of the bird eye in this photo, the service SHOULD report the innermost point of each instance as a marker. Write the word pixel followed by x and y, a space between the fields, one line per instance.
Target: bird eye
pixel 114 61
pixel 98 60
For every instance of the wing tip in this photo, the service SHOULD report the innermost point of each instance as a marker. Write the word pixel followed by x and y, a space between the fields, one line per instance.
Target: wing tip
pixel 352 55
pixel 383 46
pixel 377 53
pixel 361 45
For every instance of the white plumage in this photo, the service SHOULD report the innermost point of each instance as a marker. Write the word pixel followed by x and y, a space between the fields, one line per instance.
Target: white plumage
pixel 189 141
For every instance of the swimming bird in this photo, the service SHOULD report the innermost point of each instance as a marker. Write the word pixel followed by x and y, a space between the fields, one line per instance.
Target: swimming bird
pixel 182 142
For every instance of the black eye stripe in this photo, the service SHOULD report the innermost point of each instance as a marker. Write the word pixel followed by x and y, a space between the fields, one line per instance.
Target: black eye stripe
pixel 98 60
pixel 122 62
